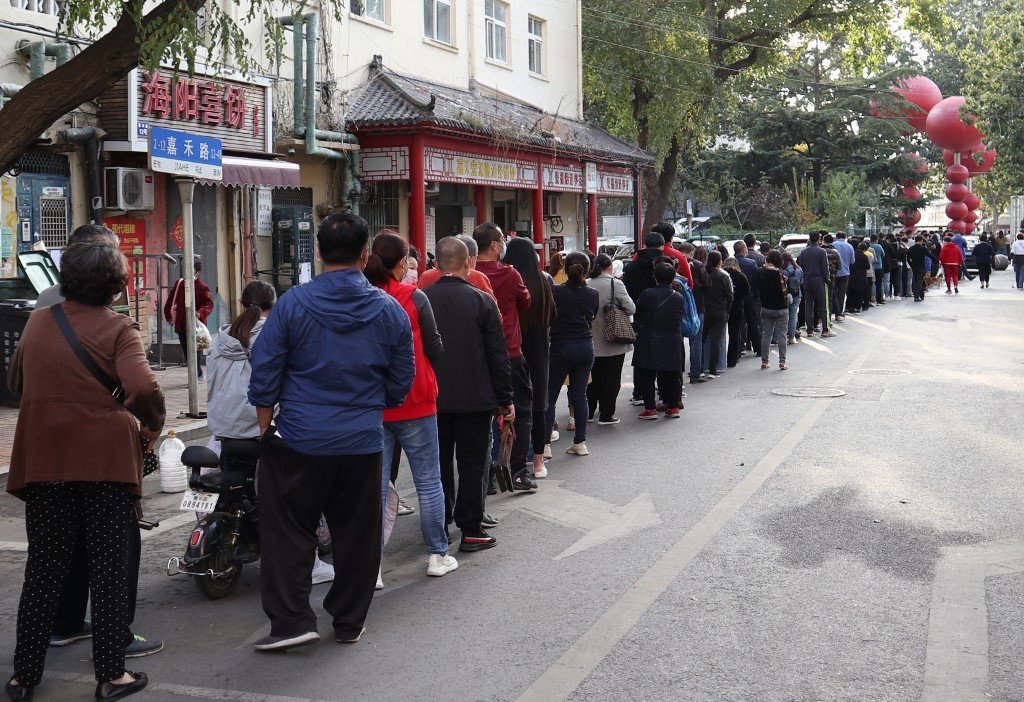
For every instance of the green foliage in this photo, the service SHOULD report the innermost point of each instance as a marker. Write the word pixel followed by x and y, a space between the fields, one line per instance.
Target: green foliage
pixel 843 196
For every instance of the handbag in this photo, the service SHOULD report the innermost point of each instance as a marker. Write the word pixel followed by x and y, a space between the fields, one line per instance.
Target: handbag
pixel 617 327
pixel 150 462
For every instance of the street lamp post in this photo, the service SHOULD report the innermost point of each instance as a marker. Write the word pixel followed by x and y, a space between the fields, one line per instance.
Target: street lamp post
pixel 186 189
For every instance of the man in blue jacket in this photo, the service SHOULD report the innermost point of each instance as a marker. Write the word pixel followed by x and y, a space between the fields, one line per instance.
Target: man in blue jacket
pixel 846 256
pixel 333 354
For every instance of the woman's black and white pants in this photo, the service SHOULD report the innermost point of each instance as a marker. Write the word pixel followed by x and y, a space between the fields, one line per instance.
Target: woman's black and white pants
pixel 56 516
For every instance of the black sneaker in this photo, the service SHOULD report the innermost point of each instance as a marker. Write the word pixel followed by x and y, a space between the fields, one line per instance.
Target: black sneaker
pixel 141 647
pixel 523 483
pixel 476 541
pixel 492 483
pixel 85 632
pixel 488 522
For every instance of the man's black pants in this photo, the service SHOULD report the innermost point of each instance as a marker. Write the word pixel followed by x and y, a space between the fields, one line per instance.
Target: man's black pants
pixel 522 399
pixel 840 289
pixel 74 597
pixel 919 283
pixel 294 489
pixel 465 439
pixel 606 380
pixel 752 315
pixel 814 300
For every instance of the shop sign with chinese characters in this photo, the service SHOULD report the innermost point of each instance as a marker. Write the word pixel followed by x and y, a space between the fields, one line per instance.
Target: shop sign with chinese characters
pixel 457 167
pixel 131 235
pixel 236 112
pixel 563 178
pixel 615 183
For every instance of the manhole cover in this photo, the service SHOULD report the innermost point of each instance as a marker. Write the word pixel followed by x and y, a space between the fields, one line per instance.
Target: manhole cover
pixel 808 392
pixel 880 371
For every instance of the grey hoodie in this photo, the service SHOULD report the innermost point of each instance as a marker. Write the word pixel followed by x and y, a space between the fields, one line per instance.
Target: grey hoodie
pixel 228 369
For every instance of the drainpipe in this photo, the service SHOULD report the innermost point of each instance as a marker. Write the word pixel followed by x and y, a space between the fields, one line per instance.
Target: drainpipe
pixel 37 51
pixel 7 91
pixel 87 137
pixel 351 174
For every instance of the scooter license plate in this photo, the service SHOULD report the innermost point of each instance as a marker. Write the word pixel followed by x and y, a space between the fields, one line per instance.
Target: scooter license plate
pixel 195 501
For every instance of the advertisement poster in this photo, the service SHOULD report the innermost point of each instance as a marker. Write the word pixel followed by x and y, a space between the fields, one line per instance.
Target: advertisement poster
pixel 132 235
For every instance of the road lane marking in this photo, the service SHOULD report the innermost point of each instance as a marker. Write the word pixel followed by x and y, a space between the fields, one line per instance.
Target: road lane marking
pixel 816 346
pixel 566 674
pixel 956 662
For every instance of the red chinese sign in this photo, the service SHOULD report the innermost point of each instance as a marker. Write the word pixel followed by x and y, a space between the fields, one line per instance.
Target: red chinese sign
pixel 185 99
pixel 131 234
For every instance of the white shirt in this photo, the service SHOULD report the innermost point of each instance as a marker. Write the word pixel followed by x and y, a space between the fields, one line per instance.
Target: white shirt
pixel 1018 248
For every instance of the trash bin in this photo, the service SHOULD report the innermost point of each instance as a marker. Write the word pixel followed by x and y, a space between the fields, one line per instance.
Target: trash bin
pixel 13 317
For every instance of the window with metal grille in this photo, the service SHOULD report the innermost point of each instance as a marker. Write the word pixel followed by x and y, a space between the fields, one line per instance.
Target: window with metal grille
pixel 44 163
pixel 380 205
pixel 53 221
pixel 299 197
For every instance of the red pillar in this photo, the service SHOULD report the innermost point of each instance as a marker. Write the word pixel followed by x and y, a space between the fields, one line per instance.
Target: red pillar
pixel 480 200
pixel 538 218
pixel 417 199
pixel 592 222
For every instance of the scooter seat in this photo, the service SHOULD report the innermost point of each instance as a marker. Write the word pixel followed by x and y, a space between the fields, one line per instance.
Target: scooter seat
pixel 200 457
pixel 223 479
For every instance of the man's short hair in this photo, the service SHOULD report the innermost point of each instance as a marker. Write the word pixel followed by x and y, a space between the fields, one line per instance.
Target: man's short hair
pixel 749 240
pixel 486 234
pixel 829 239
pixel 840 235
pixel 664 273
pixel 452 254
pixel 654 240
pixel 918 238
pixel 813 237
pixel 874 237
pixel 739 248
pixel 666 230
pixel 687 248
pixel 470 243
pixel 342 238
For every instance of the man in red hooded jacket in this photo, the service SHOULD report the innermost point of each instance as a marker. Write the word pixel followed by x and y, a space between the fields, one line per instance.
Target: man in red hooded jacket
pixel 951 257
pixel 174 310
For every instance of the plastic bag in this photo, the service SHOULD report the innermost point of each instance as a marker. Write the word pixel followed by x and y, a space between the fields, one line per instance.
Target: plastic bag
pixel 203 338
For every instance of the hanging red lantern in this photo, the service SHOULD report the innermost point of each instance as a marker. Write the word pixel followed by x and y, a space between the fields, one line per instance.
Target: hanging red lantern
pixel 957 174
pixel 956 210
pixel 980 161
pixel 969 227
pixel 958 226
pixel 957 192
pixel 948 130
pixel 910 216
pixel 923 94
pixel 971 217
pixel 972 201
pixel 912 193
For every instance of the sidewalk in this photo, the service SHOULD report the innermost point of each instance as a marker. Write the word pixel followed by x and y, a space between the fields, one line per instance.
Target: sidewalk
pixel 173 381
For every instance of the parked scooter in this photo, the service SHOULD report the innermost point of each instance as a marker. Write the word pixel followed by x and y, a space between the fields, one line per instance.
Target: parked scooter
pixel 227 538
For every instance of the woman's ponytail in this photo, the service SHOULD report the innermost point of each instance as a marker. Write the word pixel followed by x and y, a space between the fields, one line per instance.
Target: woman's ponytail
pixel 258 297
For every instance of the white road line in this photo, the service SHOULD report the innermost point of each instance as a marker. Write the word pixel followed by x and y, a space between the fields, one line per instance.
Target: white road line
pixel 570 670
pixel 816 346
pixel 956 662
pixel 203 693
pixel 857 320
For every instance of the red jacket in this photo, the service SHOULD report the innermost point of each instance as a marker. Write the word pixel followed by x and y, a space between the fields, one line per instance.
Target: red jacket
pixel 951 254
pixel 513 297
pixel 175 304
pixel 422 398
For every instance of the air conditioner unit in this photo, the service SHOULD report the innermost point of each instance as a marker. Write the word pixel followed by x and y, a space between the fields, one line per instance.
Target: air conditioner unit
pixel 432 187
pixel 128 189
pixel 551 201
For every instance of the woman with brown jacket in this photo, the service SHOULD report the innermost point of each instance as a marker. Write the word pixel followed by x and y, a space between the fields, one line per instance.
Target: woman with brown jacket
pixel 77 461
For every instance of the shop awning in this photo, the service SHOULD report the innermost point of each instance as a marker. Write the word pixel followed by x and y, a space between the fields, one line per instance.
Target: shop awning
pixel 264 173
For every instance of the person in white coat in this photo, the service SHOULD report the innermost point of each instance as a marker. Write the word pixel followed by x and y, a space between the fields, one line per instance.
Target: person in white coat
pixel 606 376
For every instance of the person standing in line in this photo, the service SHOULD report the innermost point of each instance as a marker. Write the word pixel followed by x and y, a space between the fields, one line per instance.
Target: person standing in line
pixel 814 262
pixel 477 279
pixel 878 264
pixel 934 248
pixel 752 250
pixel 846 256
pixel 701 286
pixel 888 266
pixel 608 355
pixel 572 346
pixel 904 272
pixel 740 290
pixel 332 356
pixel 1017 254
pixel 638 275
pixel 984 255
pixel 717 304
pixel 474 380
pixel 412 427
pixel 750 309
pixel 892 284
pixel 556 268
pixel 834 261
pixel 659 319
pixel 951 258
pixel 82 487
pixel 535 323
pixel 794 286
pixel 174 311
pixel 771 288
pixel 860 286
pixel 513 298
pixel 918 256
pixel 668 231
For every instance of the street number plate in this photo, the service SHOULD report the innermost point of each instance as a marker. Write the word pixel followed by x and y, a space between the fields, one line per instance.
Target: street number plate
pixel 195 501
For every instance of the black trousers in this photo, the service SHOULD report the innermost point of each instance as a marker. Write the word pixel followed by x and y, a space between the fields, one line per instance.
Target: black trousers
pixel 74 597
pixel 919 283
pixel 295 489
pixel 840 289
pixel 465 440
pixel 984 271
pixel 814 302
pixel 605 383
pixel 735 346
pixel 522 399
pixel 669 382
pixel 752 314
pixel 57 515
pixel 879 282
pixel 714 332
pixel 184 355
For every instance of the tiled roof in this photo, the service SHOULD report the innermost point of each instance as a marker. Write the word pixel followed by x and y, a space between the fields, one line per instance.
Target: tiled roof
pixel 390 99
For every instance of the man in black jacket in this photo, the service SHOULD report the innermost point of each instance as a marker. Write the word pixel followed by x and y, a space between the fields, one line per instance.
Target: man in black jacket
pixel 918 256
pixel 889 285
pixel 474 381
pixel 638 274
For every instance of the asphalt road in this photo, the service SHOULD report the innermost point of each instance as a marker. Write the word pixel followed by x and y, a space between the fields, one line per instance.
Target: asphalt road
pixel 767 548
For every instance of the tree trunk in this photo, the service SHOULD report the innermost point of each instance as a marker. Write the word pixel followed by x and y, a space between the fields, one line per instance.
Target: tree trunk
pixel 658 185
pixel 48 98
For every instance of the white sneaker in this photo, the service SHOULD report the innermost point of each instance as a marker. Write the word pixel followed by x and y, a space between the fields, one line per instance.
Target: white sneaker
pixel 540 474
pixel 579 449
pixel 555 436
pixel 380 581
pixel 438 565
pixel 547 451
pixel 322 572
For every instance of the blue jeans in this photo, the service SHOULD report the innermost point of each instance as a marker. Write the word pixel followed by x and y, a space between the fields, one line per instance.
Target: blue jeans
pixel 1018 271
pixel 418 438
pixel 574 359
pixel 886 289
pixel 794 315
pixel 697 350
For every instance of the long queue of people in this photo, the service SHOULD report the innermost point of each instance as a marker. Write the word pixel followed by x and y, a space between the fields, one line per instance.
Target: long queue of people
pixel 461 368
